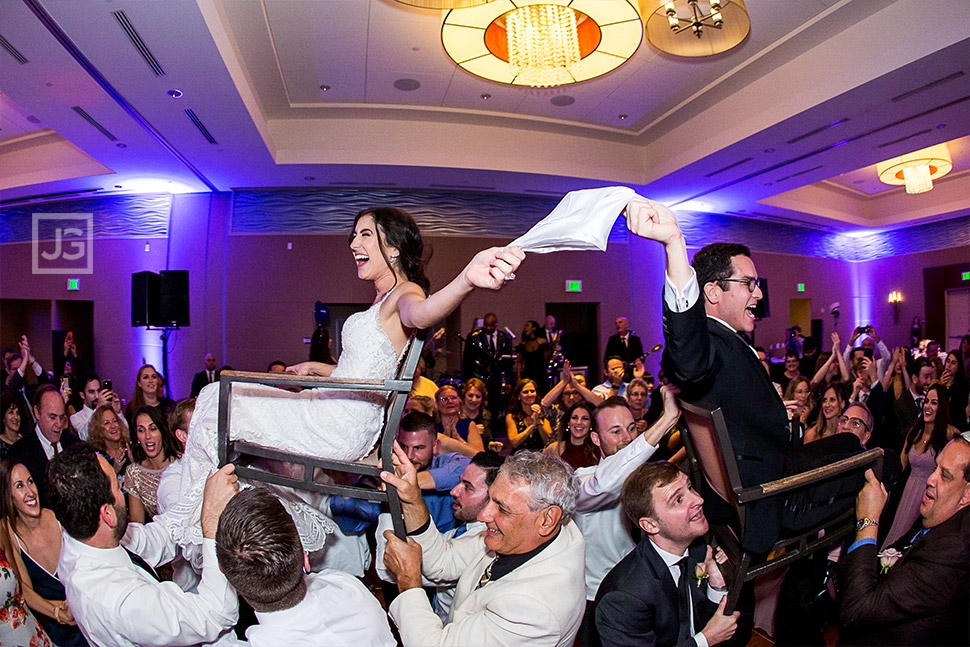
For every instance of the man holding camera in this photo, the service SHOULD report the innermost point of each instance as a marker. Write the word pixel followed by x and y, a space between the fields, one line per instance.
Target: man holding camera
pixel 867 348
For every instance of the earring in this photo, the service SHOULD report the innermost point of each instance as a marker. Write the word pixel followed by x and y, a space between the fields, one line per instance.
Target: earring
pixel 394 259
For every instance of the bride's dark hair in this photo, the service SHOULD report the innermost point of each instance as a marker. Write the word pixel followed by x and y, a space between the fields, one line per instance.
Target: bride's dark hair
pixel 401 232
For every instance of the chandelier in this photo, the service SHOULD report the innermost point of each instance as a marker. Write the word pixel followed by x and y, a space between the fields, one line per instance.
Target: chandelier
pixel 542 43
pixel 917 170
pixel 717 25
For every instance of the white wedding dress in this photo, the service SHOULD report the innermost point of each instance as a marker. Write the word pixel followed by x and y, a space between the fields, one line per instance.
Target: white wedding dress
pixel 338 424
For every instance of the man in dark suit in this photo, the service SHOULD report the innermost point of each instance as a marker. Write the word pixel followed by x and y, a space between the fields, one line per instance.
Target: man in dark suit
pixel 37 447
pixel 625 345
pixel 708 311
pixel 486 357
pixel 206 376
pixel 923 597
pixel 657 595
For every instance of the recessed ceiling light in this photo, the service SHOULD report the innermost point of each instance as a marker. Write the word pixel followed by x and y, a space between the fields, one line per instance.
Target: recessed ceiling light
pixel 623 117
pixel 486 96
pixel 768 183
pixel 122 145
pixel 309 178
pixel 941 125
pixel 117 186
pixel 769 150
pixel 858 182
pixel 325 87
pixel 407 85
pixel 562 100
pixel 175 93
pixel 32 119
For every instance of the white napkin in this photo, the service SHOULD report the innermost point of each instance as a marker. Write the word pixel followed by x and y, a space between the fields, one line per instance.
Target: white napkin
pixel 580 222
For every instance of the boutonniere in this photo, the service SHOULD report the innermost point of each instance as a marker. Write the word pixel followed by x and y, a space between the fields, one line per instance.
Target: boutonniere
pixel 887 559
pixel 700 574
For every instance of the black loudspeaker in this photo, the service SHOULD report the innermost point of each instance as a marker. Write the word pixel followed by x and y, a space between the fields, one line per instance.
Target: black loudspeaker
pixel 173 298
pixel 144 299
pixel 762 310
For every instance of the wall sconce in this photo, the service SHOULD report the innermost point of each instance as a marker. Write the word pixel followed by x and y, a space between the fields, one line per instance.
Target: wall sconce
pixel 895 298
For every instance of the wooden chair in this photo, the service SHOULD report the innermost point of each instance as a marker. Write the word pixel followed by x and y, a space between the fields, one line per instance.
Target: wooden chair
pixel 712 460
pixel 243 454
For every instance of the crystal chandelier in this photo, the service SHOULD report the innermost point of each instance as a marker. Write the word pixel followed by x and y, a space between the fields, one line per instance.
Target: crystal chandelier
pixel 917 170
pixel 543 44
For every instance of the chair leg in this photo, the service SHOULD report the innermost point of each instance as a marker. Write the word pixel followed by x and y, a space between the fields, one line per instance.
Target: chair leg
pixel 734 588
pixel 397 513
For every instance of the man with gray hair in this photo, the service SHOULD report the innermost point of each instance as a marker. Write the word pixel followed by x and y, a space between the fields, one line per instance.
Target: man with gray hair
pixel 519 581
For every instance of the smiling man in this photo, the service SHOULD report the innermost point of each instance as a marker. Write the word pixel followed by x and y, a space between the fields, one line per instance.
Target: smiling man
pixel 923 598
pixel 708 311
pixel 653 596
pixel 519 582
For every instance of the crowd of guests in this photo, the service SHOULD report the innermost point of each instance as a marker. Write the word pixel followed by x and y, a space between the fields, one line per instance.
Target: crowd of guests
pixel 558 513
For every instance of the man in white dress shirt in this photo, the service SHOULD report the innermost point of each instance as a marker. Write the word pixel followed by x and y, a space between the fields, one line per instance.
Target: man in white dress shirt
pixel 260 552
pixel 605 529
pixel 114 595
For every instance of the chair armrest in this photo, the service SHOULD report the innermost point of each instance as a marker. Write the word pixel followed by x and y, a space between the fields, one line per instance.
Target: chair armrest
pixel 811 477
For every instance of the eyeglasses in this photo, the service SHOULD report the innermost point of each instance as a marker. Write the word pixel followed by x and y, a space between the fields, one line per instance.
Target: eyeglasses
pixel 449 398
pixel 752 283
pixel 853 423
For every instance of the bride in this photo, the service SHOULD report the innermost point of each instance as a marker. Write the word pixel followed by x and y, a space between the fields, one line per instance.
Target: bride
pixel 387 248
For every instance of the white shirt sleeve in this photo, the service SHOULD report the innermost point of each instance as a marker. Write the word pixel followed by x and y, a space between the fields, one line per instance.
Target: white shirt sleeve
pixel 163 614
pixel 600 486
pixel 681 300
pixel 151 542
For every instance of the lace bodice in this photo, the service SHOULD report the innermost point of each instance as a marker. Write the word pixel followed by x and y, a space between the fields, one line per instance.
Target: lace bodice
pixel 366 352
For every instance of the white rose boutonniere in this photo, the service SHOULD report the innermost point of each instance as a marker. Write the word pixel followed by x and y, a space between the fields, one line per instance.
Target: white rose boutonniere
pixel 887 559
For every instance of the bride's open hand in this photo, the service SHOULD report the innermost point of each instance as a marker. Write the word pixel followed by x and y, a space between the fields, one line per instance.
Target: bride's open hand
pixel 491 268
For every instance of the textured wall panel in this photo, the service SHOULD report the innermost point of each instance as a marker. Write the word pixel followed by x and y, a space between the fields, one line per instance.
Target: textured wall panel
pixel 436 213
pixel 124 216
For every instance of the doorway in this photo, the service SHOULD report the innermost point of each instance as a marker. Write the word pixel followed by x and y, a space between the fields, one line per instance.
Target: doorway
pixel 579 323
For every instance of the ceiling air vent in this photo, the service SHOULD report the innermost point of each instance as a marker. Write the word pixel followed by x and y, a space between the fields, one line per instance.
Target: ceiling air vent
pixel 137 41
pixel 818 130
pixel 729 167
pixel 94 122
pixel 201 126
pixel 788 177
pixel 902 139
pixel 461 187
pixel 928 86
pixel 365 184
pixel 13 51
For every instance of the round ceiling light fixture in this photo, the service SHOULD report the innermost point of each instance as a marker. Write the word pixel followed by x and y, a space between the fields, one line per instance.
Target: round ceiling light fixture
pixel 542 43
pixel 682 27
pixel 917 170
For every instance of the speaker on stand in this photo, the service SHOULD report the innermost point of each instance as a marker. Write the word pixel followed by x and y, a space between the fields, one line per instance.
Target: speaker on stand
pixel 160 302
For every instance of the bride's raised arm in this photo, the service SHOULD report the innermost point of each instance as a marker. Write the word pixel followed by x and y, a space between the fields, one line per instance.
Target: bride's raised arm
pixel 489 269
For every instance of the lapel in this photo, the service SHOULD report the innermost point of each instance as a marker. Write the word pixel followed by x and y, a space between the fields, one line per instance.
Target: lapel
pixel 660 572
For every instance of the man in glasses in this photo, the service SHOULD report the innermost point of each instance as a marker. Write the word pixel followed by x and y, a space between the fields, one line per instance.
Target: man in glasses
pixel 708 312
pixel 804 604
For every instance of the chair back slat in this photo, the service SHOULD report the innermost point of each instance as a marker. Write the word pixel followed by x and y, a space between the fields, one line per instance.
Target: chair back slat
pixel 712 450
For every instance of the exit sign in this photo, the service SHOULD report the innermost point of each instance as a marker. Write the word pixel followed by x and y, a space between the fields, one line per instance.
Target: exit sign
pixel 74 284
pixel 574 285
pixel 801 287
pixel 966 276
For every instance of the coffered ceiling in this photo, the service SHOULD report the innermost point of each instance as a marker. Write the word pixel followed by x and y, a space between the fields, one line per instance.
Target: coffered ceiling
pixel 340 93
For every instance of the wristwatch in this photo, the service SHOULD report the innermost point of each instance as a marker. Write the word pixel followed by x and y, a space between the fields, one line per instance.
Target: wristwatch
pixel 864 523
